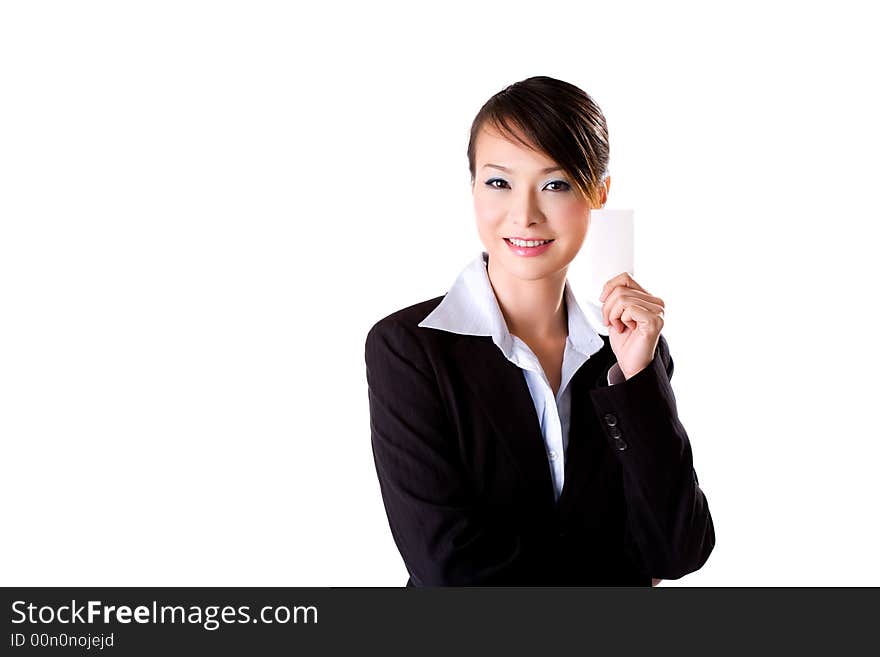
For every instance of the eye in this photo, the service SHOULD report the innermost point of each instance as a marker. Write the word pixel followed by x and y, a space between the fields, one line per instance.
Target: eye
pixel 559 182
pixel 491 181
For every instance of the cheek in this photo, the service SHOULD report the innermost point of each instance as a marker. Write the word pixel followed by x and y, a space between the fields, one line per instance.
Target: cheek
pixel 487 213
pixel 485 209
pixel 575 221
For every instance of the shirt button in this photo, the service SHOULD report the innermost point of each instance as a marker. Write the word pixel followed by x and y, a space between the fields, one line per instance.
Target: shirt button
pixel 610 419
pixel 620 444
pixel 614 432
pixel 552 455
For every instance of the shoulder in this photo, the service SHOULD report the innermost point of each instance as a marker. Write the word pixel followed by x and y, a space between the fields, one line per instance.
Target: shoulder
pixel 401 327
pixel 410 316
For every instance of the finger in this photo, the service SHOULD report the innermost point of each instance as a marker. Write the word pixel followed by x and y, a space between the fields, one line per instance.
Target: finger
pixel 620 304
pixel 624 279
pixel 635 315
pixel 626 293
pixel 623 303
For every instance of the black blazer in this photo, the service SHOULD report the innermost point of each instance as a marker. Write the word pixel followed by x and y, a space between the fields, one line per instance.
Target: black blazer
pixel 466 484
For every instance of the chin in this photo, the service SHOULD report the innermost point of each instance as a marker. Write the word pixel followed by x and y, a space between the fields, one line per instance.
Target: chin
pixel 532 268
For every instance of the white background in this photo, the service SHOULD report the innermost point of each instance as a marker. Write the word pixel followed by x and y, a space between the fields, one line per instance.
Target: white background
pixel 206 205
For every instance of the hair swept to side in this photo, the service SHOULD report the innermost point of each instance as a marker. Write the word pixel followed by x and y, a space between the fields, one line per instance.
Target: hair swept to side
pixel 557 118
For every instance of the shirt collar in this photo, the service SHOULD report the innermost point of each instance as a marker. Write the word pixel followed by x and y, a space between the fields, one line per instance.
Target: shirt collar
pixel 471 308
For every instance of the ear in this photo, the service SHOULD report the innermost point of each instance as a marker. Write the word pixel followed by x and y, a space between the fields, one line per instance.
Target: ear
pixel 605 187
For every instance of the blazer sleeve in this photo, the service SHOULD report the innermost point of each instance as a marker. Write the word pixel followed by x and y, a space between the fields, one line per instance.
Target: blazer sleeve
pixel 670 532
pixel 442 535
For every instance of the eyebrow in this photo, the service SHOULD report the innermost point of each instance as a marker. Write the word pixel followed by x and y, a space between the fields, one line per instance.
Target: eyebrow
pixel 498 166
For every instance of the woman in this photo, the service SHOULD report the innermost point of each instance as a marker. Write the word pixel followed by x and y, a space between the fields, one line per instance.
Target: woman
pixel 514 443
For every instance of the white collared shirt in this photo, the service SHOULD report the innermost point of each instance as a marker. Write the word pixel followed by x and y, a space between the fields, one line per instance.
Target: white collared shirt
pixel 471 308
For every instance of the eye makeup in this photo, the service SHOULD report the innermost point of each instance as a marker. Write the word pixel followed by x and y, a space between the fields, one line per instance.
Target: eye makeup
pixel 489 183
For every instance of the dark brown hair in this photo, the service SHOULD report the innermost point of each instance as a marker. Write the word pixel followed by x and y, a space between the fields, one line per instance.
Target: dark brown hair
pixel 558 119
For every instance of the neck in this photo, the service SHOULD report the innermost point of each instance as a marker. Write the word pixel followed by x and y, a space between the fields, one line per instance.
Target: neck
pixel 532 309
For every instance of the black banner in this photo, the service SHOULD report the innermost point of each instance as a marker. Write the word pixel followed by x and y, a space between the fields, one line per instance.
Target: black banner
pixel 149 621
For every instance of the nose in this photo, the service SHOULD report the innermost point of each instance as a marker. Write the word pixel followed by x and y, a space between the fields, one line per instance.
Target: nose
pixel 524 209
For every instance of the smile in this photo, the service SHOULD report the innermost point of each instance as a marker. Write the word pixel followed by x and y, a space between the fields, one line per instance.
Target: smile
pixel 528 247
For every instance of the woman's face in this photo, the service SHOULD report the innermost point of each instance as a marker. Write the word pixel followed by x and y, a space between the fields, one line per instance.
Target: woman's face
pixel 526 199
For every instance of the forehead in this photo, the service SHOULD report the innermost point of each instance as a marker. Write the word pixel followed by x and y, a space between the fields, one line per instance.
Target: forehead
pixel 494 146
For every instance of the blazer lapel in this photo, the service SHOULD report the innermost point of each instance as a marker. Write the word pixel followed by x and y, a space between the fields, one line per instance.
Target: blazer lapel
pixel 504 393
pixel 502 389
pixel 586 450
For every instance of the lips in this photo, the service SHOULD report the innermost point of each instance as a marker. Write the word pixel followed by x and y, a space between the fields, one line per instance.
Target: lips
pixel 527 239
pixel 528 251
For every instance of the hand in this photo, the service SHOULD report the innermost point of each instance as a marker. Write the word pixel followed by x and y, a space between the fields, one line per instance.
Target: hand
pixel 634 319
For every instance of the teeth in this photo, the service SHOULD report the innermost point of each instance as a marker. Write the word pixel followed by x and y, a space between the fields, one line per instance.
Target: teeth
pixel 528 243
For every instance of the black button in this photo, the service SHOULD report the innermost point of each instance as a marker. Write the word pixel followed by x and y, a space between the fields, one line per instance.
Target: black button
pixel 610 419
pixel 620 444
pixel 614 432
